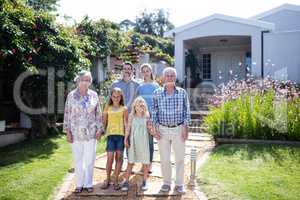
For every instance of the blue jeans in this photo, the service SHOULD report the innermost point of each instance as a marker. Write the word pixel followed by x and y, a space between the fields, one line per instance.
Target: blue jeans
pixel 115 143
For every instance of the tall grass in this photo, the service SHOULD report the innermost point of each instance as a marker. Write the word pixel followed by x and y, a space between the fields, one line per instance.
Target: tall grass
pixel 270 111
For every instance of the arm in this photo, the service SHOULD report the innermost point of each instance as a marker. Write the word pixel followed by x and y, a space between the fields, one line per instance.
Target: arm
pixel 104 118
pixel 154 117
pixel 150 127
pixel 186 110
pixel 127 125
pixel 99 123
pixel 187 118
pixel 67 120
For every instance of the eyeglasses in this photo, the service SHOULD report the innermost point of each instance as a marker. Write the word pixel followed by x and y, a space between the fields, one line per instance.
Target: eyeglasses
pixel 85 80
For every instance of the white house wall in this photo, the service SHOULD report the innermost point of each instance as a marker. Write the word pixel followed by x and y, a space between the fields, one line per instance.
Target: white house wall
pixel 219 27
pixel 282 55
pixel 284 20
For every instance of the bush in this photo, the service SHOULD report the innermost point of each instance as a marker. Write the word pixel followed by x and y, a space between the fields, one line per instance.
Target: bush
pixel 256 110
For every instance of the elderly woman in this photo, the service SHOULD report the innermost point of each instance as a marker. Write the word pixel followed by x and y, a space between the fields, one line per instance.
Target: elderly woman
pixel 82 123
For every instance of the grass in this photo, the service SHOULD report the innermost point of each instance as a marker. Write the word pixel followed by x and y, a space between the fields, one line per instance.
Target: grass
pixel 252 172
pixel 33 169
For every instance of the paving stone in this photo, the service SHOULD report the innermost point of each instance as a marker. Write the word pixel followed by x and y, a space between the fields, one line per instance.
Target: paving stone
pixel 153 191
pixel 200 141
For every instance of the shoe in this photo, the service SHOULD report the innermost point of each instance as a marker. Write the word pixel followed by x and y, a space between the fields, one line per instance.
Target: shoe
pixel 165 188
pixel 125 186
pixel 144 186
pixel 180 189
pixel 105 185
pixel 117 186
pixel 90 189
pixel 78 190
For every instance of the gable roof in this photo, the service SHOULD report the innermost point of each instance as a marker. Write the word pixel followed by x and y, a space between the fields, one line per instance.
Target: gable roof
pixel 291 7
pixel 251 22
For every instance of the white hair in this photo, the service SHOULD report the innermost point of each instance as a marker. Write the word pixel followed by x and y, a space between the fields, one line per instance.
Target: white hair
pixel 169 69
pixel 83 73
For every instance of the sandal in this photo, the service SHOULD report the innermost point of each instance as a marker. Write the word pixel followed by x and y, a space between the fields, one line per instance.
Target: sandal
pixel 105 185
pixel 78 190
pixel 117 186
pixel 90 189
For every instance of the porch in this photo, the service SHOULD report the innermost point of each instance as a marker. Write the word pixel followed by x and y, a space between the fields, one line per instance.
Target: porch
pixel 216 60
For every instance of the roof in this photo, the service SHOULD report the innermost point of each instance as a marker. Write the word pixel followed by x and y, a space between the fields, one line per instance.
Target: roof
pixel 277 9
pixel 251 22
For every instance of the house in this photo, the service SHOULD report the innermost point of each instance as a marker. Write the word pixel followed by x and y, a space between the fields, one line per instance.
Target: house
pixel 227 47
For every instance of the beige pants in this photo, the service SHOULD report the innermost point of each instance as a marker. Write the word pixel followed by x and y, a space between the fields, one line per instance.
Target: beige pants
pixel 171 137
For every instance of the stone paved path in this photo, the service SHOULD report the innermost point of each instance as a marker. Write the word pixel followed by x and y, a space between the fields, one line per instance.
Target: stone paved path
pixel 202 142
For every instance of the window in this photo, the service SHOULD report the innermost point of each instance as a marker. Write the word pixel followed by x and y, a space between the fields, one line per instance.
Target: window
pixel 206 66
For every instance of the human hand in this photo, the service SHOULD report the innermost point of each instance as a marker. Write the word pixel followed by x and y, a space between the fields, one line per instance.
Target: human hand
pixel 69 137
pixel 157 135
pixel 126 142
pixel 98 135
pixel 184 133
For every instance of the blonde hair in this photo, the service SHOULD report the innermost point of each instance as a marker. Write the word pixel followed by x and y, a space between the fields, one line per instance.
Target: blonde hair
pixel 134 104
pixel 147 65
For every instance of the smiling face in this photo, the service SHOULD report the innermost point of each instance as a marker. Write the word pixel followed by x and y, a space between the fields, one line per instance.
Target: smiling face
pixel 127 71
pixel 116 98
pixel 140 107
pixel 169 78
pixel 84 82
pixel 147 73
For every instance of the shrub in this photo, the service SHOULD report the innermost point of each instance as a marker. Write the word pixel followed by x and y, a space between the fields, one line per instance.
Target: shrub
pixel 256 109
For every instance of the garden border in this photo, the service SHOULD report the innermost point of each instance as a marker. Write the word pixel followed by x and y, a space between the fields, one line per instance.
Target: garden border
pixel 254 141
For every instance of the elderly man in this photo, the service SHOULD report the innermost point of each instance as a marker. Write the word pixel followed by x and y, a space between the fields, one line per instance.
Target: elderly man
pixel 171 116
pixel 127 84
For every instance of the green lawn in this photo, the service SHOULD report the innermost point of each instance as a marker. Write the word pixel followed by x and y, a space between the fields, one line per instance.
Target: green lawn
pixel 252 172
pixel 33 169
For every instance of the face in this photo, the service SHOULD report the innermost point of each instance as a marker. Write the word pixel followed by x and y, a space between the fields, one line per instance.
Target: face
pixel 84 82
pixel 146 72
pixel 140 107
pixel 116 98
pixel 127 70
pixel 170 78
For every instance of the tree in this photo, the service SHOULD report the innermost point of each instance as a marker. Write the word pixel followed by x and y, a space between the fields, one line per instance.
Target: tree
pixel 162 22
pixel 145 23
pixel 127 25
pixel 45 5
pixel 153 23
pixel 30 40
pixel 100 38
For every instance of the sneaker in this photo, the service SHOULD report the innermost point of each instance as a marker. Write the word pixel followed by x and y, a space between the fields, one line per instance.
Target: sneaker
pixel 180 189
pixel 144 186
pixel 165 188
pixel 125 186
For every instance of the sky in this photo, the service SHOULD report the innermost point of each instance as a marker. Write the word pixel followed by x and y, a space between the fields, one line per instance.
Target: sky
pixel 181 11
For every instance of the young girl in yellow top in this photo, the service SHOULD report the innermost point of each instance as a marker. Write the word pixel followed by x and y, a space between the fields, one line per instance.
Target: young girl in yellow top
pixel 115 117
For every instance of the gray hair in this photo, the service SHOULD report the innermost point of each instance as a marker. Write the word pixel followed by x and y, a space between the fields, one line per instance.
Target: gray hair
pixel 169 69
pixel 83 73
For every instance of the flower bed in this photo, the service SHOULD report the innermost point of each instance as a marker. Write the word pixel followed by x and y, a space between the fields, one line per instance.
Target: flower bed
pixel 256 109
